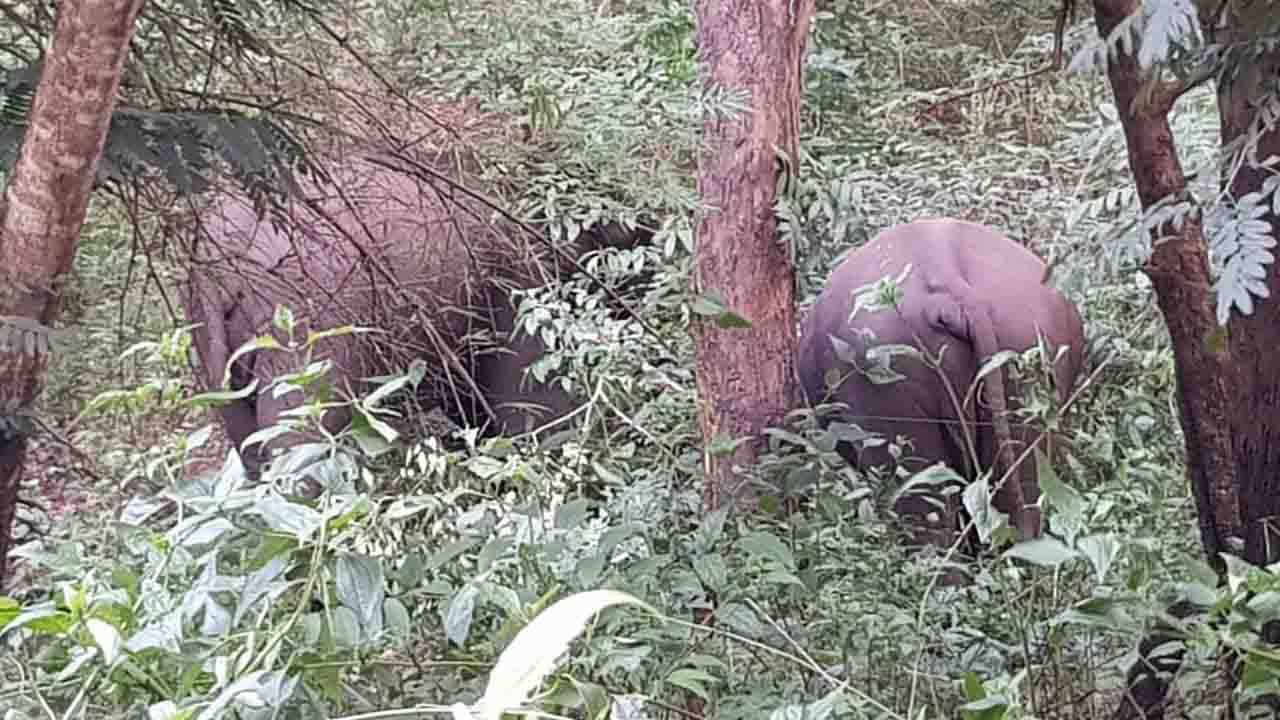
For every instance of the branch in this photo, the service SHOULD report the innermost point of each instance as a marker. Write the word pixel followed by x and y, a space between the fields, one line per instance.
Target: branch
pixel 426 173
pixel 345 44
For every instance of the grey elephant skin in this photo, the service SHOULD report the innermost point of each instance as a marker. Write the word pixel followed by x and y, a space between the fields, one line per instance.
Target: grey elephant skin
pixel 375 247
pixel 976 292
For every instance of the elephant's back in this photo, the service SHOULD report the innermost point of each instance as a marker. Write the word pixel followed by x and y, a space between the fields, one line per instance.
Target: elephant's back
pixel 951 261
pixel 372 228
pixel 946 247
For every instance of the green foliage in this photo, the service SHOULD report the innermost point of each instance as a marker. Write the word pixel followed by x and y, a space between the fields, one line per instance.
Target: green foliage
pixel 367 574
pixel 1170 42
pixel 184 142
pixel 620 119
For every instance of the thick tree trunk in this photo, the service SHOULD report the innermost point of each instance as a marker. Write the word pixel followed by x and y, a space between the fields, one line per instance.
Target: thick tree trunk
pixel 1255 338
pixel 44 207
pixel 1179 271
pixel 746 377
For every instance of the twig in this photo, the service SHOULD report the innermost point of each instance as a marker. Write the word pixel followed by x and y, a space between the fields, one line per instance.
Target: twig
pixel 427 173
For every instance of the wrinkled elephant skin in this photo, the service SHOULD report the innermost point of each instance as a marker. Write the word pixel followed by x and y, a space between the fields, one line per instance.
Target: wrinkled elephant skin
pixel 376 248
pixel 974 291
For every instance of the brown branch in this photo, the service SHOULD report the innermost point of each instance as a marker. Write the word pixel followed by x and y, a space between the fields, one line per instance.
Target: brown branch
pixel 345 44
pixel 989 86
pixel 381 269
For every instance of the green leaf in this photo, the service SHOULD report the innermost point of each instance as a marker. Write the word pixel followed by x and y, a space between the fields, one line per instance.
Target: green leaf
pixel 485 467
pixel 346 627
pixel 977 502
pixel 1101 550
pixel 994 707
pixel 9 609
pixel 588 570
pixel 531 656
pixel 692 680
pixel 399 625
pixel 712 305
pixel 451 551
pixel 457 618
pixel 741 619
pixel 261 583
pixel 107 638
pixel 973 689
pixel 288 517
pixel 571 514
pixel 1041 551
pixel 711 529
pixel 995 362
pixel 283 319
pixel 614 536
pixel 373 434
pixel 360 587
pixel 492 551
pixel 386 389
pixel 764 545
pixel 708 305
pixel 879 368
pixel 1069 506
pixel 929 481
pixel 262 342
pixel 819 710
pixel 221 397
pixel 410 505
pixel 712 571
pixel 730 320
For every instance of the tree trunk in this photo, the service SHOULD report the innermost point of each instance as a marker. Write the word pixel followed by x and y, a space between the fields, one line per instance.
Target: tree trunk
pixel 44 207
pixel 1254 338
pixel 746 377
pixel 1179 271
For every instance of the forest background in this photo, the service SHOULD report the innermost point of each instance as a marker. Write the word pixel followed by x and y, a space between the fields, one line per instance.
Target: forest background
pixel 997 112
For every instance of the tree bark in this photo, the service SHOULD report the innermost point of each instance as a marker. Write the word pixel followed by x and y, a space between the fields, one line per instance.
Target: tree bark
pixel 1254 338
pixel 44 207
pixel 746 377
pixel 1204 368
pixel 1179 271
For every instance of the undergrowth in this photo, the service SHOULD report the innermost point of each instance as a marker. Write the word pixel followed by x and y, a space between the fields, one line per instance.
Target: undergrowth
pixel 403 579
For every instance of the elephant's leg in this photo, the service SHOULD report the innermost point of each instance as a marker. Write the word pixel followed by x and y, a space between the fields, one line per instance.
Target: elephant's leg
pixel 269 409
pixel 929 515
pixel 519 401
pixel 240 418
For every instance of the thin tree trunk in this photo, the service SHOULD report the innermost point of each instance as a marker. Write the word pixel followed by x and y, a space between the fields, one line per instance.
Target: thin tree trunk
pixel 746 377
pixel 44 207
pixel 1179 271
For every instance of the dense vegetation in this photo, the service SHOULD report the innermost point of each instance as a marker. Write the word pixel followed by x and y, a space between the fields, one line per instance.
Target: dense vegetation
pixel 404 582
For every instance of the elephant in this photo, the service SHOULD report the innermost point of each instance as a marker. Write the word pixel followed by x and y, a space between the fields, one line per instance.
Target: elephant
pixel 382 247
pixel 976 292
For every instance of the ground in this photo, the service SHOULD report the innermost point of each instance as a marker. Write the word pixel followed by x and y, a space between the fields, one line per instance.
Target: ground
pixel 62 480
